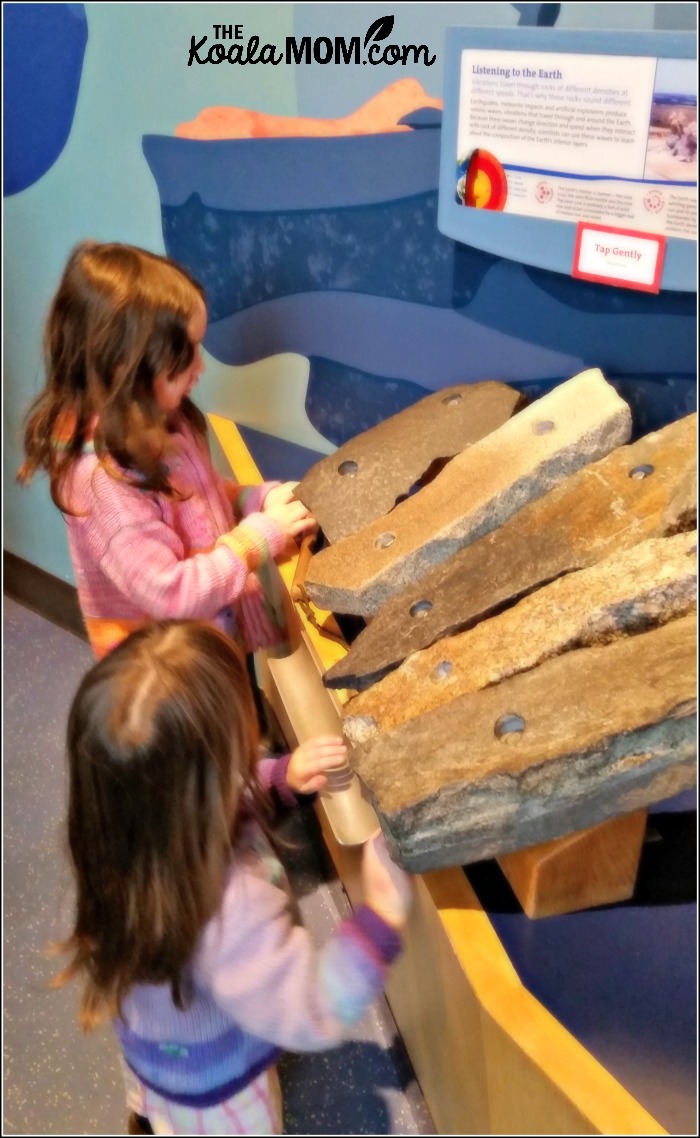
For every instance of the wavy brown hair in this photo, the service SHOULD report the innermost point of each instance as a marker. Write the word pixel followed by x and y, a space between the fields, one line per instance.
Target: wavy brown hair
pixel 162 752
pixel 119 318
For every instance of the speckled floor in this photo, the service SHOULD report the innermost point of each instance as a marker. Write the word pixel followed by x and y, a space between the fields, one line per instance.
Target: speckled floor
pixel 58 1081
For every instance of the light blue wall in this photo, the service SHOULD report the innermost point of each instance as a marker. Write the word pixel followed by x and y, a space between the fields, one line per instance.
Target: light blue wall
pixel 135 81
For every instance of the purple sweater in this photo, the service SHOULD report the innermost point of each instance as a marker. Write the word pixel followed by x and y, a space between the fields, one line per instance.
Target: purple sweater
pixel 258 984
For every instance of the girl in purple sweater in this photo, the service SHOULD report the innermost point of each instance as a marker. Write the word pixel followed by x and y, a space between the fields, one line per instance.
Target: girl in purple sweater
pixel 185 933
pixel 154 531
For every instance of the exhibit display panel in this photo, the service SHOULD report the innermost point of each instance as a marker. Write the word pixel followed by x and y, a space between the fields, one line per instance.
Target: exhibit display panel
pixel 546 129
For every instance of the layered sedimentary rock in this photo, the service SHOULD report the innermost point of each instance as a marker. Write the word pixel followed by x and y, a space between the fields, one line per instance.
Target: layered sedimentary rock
pixel 636 492
pixel 579 422
pixel 362 480
pixel 586 736
pixel 629 592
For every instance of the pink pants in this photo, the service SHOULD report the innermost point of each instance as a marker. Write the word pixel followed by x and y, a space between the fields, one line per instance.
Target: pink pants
pixel 257 1109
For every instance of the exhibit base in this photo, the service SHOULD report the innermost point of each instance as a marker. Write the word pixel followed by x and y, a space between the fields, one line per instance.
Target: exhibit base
pixel 489 1057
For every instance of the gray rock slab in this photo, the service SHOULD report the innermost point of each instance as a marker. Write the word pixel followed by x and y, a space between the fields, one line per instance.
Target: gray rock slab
pixel 577 423
pixel 362 480
pixel 629 592
pixel 607 730
pixel 589 515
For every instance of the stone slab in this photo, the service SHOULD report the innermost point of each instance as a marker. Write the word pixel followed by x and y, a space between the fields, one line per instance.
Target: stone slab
pixel 577 423
pixel 682 512
pixel 363 479
pixel 608 730
pixel 629 592
pixel 589 515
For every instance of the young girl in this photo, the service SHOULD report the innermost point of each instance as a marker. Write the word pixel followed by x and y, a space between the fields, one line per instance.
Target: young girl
pixel 154 531
pixel 184 932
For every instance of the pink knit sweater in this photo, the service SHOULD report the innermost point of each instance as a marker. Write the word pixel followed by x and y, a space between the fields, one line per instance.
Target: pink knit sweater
pixel 139 555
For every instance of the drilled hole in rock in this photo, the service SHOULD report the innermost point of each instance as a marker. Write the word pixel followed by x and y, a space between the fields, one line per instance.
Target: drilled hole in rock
pixel 450 400
pixel 639 472
pixel 348 468
pixel 384 540
pixel 543 427
pixel 509 724
pixel 442 670
pixel 420 608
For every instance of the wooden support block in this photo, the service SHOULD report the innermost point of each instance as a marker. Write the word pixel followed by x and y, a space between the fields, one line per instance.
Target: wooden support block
pixel 597 866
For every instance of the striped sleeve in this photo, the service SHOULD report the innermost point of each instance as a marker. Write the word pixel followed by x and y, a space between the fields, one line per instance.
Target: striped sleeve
pixel 123 531
pixel 247 499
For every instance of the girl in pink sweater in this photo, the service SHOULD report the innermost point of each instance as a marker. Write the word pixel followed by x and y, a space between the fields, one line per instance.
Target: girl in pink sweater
pixel 184 931
pixel 154 531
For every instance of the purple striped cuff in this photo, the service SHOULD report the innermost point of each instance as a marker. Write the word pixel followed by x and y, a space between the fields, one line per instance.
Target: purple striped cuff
pixel 384 939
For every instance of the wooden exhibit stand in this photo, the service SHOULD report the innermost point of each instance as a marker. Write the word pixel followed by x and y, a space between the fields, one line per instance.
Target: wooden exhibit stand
pixel 489 1058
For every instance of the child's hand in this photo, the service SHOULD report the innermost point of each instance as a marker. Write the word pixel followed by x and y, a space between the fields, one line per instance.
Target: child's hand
pixel 280 495
pixel 387 888
pixel 308 764
pixel 288 512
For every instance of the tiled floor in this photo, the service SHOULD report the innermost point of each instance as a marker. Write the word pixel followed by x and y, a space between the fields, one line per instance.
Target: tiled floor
pixel 58 1081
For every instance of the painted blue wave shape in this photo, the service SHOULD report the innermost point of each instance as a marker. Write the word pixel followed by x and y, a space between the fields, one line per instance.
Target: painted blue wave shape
pixel 537 15
pixel 43 51
pixel 390 248
pixel 330 248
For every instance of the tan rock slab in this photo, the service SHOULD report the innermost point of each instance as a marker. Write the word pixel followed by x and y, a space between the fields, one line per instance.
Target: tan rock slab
pixel 682 512
pixel 362 480
pixel 629 592
pixel 607 730
pixel 577 423
pixel 589 515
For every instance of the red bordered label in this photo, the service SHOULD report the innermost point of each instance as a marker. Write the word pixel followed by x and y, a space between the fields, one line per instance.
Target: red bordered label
pixel 623 257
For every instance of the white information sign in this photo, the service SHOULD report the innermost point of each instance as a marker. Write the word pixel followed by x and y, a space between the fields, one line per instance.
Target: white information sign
pixel 605 138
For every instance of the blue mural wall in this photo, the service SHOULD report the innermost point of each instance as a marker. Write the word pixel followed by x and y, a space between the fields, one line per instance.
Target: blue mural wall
pixel 334 300
pixel 44 46
pixel 350 270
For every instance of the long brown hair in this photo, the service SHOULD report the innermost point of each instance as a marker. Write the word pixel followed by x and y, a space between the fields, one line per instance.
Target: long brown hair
pixel 119 318
pixel 162 748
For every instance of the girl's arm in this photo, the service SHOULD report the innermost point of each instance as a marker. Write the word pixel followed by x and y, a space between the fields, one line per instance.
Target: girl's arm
pixel 304 771
pixel 123 531
pixel 251 499
pixel 264 971
pixel 247 499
